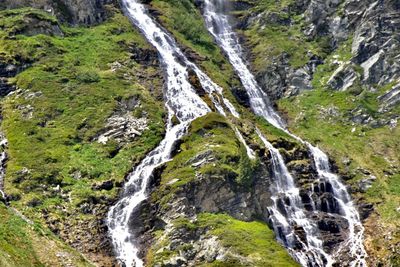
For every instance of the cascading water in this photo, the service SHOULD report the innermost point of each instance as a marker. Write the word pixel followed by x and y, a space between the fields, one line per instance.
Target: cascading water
pixel 182 102
pixel 3 159
pixel 287 212
pixel 346 208
pixel 135 191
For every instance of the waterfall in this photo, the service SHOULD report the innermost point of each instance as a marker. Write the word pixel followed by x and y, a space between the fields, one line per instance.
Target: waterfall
pixel 288 213
pixel 3 160
pixel 181 101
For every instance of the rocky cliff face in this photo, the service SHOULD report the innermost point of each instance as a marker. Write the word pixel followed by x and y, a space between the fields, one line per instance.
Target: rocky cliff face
pixel 88 107
pixel 333 68
pixel 188 219
pixel 370 26
pixel 74 12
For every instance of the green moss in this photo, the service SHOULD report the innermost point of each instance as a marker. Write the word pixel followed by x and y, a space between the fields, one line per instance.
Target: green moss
pixel 253 241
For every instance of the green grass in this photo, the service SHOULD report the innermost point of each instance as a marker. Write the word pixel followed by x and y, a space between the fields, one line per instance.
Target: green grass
pixel 211 134
pixel 76 92
pixel 268 41
pixel 252 240
pixel 24 244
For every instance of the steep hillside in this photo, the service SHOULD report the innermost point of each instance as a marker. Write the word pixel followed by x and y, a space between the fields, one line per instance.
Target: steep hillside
pixel 83 102
pixel 85 106
pixel 24 243
pixel 76 121
pixel 335 67
pixel 73 12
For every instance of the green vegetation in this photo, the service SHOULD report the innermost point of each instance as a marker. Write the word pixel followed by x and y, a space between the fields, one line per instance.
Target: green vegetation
pixel 184 21
pixel 65 98
pixel 324 117
pixel 70 89
pixel 252 240
pixel 24 244
pixel 278 32
pixel 212 140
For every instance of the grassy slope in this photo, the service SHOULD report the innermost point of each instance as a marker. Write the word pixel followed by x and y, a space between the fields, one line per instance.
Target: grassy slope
pixel 253 240
pixel 24 244
pixel 209 134
pixel 268 39
pixel 76 92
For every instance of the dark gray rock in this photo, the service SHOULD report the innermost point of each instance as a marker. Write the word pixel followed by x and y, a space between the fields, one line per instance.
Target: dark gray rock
pixel 372 25
pixel 71 11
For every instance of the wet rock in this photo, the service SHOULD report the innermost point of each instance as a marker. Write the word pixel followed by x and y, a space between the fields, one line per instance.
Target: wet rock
pixel 301 233
pixel 195 82
pixel 106 185
pixel 241 95
pixel 333 230
pixel 328 203
pixel 146 57
pixel 365 210
pixel 306 199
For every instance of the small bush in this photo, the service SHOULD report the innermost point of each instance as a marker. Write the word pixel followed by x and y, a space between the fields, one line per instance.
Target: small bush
pixel 88 77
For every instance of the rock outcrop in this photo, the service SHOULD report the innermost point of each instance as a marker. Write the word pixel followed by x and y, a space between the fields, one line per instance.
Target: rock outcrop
pixel 170 228
pixel 371 25
pixel 74 12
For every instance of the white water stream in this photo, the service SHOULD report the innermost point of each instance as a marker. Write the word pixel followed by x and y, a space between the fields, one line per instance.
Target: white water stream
pixel 288 211
pixel 183 102
pixel 3 159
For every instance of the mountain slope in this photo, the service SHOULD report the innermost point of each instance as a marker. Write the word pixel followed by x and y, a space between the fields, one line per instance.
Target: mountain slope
pixel 23 243
pixel 341 59
pixel 86 106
